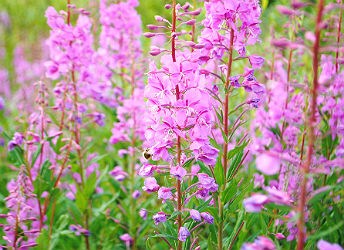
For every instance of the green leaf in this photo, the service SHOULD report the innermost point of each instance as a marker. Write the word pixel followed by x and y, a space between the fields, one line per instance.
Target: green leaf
pixel 218 171
pixel 166 236
pixel 16 156
pixel 322 234
pixel 188 163
pixel 236 150
pixel 90 185
pixel 229 192
pixel 43 240
pixel 204 168
pixel 81 200
pixel 235 163
pixel 239 220
pixel 36 154
pixel 219 116
pixel 328 145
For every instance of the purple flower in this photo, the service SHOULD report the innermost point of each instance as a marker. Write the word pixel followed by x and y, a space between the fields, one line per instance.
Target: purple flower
pixel 136 194
pixel 164 193
pixel 52 70
pixel 78 230
pixel 2 103
pixel 150 185
pixel 126 238
pixel 195 215
pixel 23 212
pixel 256 61
pixel 206 182
pixel 207 217
pixel 324 245
pixel 255 203
pixel 143 213
pixel 159 217
pixel 147 170
pixel 17 140
pixel 278 196
pixel 261 243
pixel 118 173
pixel 183 234
pixel 178 172
pixel 235 81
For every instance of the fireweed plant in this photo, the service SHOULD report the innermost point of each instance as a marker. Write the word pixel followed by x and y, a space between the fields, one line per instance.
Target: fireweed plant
pixel 192 129
pixel 300 144
pixel 226 134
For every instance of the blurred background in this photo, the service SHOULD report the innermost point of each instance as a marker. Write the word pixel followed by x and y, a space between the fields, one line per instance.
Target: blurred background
pixel 23 26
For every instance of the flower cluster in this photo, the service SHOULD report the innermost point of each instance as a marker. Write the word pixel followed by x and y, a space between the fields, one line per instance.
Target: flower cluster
pixel 23 224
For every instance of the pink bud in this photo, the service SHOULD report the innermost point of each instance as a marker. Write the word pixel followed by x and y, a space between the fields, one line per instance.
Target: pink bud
pixel 155 51
pixel 186 6
pixel 280 43
pixel 159 18
pixel 279 236
pixel 153 27
pixel 190 22
pixel 195 12
pixel 285 11
pixel 149 34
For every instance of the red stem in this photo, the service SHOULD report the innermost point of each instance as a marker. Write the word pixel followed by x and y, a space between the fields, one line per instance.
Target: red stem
pixel 226 132
pixel 311 135
pixel 178 186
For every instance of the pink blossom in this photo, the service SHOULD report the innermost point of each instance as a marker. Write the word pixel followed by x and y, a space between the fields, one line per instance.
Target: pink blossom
pixel 151 185
pixel 195 215
pixel 207 217
pixel 324 245
pixel 118 173
pixel 178 172
pixel 159 217
pixel 255 203
pixel 261 243
pixel 164 193
pixel 267 165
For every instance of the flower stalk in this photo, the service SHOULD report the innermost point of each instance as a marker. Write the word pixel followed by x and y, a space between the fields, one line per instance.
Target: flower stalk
pixel 305 168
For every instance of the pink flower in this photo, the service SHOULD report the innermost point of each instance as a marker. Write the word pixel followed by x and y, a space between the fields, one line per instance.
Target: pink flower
pixel 178 172
pixel 279 236
pixel 278 196
pixel 255 203
pixel 150 185
pixel 143 213
pixel 52 70
pixel 206 182
pixel 256 61
pixel 324 245
pixel 159 217
pixel 261 243
pixel 195 215
pixel 126 238
pixel 267 164
pixel 147 170
pixel 207 217
pixel 164 193
pixel 118 173
pixel 136 194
